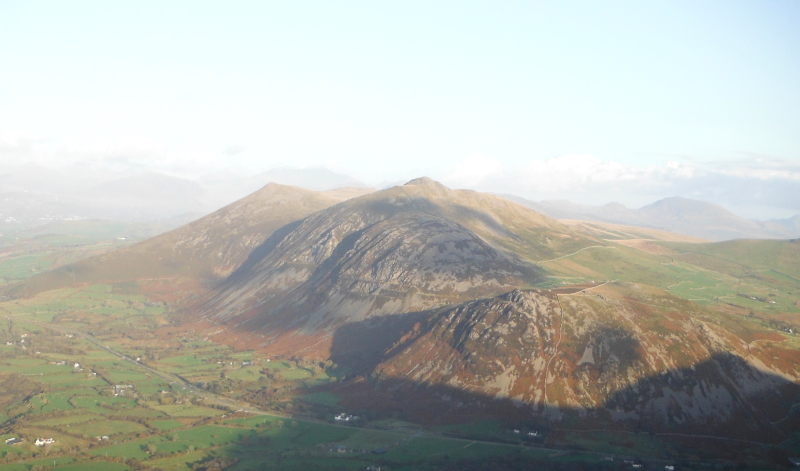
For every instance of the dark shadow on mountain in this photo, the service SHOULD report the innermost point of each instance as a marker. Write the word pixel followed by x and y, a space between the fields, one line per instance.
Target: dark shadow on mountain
pixel 259 253
pixel 723 396
pixel 361 346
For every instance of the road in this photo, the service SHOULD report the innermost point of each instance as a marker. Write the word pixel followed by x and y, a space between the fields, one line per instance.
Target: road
pixel 248 408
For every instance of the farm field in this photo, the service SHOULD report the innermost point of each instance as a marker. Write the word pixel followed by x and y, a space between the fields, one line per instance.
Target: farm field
pixel 107 410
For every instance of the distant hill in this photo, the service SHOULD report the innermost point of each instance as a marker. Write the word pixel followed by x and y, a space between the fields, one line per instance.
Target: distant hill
pixel 675 214
pixel 317 178
pixel 792 223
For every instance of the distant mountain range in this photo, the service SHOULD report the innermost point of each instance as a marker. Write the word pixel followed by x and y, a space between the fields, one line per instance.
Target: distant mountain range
pixel 675 214
pixel 33 196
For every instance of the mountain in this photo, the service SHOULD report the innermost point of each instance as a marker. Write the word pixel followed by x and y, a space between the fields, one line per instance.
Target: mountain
pixel 710 221
pixel 616 356
pixel 681 215
pixel 403 249
pixel 792 223
pixel 318 178
pixel 205 250
pixel 148 196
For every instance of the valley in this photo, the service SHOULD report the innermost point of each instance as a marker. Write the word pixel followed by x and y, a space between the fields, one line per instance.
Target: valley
pixel 460 329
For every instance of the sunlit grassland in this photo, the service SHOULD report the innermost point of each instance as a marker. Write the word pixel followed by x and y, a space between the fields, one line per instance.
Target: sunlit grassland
pixel 703 273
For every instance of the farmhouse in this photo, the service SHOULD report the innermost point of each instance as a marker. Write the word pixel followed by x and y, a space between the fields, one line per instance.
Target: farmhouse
pixel 44 441
pixel 122 389
pixel 342 417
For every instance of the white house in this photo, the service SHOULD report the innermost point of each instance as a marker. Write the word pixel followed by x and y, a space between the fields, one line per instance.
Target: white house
pixel 44 441
pixel 345 417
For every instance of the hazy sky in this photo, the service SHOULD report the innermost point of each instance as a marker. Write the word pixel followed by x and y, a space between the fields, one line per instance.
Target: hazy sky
pixel 591 100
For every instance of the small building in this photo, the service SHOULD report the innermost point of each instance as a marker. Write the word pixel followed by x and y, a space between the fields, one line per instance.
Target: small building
pixel 122 389
pixel 795 462
pixel 343 417
pixel 44 441
pixel 669 467
pixel 247 363
pixel 13 441
pixel 516 430
pixel 533 433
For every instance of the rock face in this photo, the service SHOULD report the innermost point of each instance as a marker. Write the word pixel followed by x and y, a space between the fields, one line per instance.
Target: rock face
pixel 400 250
pixel 621 356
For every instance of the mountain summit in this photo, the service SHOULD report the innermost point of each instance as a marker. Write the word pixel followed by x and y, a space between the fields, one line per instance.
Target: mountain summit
pixel 404 249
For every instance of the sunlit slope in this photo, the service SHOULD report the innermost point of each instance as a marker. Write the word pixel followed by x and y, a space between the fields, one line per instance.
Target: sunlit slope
pixel 620 353
pixel 760 275
pixel 403 249
pixel 206 250
pixel 736 257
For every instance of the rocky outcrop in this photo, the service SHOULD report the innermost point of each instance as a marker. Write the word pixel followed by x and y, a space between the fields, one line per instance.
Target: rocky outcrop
pixel 617 355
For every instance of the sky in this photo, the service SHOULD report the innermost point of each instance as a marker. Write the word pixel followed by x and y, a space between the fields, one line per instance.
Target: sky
pixel 593 101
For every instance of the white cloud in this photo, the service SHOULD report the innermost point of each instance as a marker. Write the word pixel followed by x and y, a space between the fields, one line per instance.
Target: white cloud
pixel 474 171
pixel 589 179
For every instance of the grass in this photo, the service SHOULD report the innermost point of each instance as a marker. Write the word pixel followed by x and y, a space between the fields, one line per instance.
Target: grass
pixel 187 411
pixel 107 427
pixel 166 425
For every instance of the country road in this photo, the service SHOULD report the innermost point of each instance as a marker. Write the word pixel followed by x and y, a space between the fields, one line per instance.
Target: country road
pixel 249 408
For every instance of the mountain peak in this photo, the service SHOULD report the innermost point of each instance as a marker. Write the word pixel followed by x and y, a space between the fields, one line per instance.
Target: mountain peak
pixel 425 181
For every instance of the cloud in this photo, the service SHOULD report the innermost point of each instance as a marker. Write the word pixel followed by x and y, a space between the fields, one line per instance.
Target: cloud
pixel 748 182
pixel 473 171
pixel 233 150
